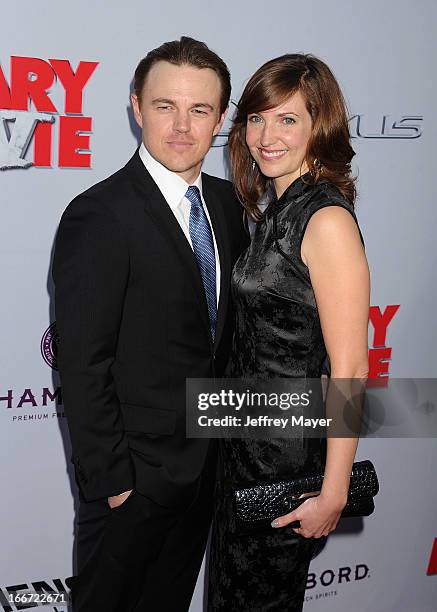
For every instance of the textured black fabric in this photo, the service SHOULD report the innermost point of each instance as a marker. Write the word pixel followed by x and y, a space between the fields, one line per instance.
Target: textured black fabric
pixel 278 331
pixel 278 334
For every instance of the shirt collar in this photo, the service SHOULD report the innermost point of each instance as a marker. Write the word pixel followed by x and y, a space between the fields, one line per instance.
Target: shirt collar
pixel 172 186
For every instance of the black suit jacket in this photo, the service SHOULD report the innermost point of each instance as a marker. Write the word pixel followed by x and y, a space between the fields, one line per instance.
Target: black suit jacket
pixel 133 325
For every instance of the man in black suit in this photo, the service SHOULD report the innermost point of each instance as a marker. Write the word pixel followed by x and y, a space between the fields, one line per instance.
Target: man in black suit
pixel 142 270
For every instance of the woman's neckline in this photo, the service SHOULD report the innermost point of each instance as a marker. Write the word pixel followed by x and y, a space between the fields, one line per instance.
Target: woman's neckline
pixel 295 188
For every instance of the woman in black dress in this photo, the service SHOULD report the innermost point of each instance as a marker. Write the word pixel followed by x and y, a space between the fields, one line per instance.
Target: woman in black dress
pixel 301 294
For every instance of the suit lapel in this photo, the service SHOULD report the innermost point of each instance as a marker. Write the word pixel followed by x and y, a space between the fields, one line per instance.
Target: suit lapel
pixel 218 221
pixel 157 208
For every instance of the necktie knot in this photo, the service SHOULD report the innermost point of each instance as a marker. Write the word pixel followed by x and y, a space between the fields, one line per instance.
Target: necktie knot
pixel 193 195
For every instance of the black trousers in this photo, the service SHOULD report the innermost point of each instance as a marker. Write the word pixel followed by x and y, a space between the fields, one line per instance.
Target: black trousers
pixel 140 556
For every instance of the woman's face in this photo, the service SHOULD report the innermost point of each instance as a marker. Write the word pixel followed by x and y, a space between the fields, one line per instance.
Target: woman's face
pixel 278 139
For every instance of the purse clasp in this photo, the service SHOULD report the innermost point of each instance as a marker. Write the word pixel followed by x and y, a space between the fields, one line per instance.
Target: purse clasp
pixel 302 495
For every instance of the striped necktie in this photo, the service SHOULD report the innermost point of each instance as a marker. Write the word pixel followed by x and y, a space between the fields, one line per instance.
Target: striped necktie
pixel 203 247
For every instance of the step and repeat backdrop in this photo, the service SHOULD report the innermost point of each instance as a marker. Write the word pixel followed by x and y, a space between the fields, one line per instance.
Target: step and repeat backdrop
pixel 65 123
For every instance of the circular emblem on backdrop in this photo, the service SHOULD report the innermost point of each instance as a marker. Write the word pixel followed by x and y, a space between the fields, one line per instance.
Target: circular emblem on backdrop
pixel 49 346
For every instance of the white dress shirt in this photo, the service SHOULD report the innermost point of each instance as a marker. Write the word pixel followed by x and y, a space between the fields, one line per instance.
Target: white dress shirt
pixel 173 188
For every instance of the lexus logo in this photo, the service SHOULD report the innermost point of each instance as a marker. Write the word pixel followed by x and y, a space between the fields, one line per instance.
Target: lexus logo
pixel 386 126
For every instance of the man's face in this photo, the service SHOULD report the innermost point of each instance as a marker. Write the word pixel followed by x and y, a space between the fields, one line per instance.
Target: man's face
pixel 179 115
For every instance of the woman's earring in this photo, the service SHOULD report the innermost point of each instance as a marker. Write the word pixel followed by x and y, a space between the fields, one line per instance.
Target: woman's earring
pixel 253 165
pixel 317 166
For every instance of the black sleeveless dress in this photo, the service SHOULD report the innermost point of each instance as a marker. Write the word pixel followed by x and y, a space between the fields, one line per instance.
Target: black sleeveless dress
pixel 278 334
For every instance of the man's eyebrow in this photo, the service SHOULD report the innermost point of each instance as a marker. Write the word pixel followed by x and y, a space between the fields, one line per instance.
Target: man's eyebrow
pixel 173 103
pixel 203 105
pixel 163 101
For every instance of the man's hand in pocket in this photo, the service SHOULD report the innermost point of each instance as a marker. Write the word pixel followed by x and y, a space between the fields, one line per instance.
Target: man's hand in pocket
pixel 117 500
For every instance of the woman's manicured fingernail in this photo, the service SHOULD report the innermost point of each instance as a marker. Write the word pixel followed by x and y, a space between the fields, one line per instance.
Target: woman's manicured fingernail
pixel 275 523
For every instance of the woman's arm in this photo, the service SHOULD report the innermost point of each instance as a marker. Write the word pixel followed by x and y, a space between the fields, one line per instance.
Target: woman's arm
pixel 333 252
pixel 339 273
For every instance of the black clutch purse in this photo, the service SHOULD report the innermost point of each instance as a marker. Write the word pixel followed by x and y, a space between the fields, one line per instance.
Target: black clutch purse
pixel 258 505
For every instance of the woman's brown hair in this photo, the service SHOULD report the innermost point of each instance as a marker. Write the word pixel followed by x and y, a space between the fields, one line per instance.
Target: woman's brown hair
pixel 329 152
